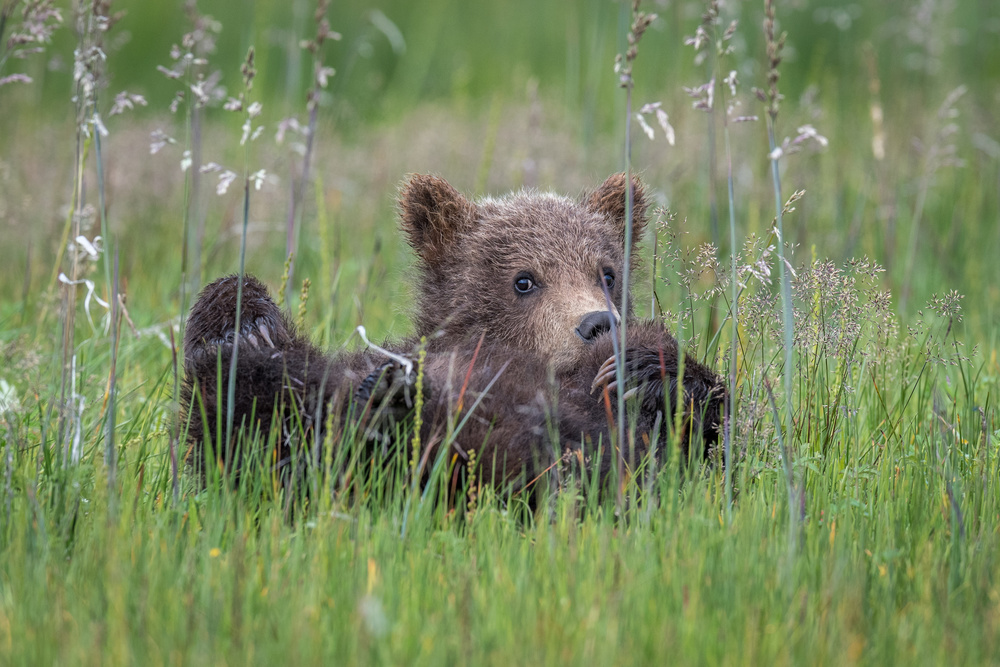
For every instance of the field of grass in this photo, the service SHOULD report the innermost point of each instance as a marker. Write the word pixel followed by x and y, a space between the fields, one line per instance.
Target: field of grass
pixel 864 526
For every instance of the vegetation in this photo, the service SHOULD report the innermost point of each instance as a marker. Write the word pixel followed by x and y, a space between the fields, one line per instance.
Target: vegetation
pixel 859 521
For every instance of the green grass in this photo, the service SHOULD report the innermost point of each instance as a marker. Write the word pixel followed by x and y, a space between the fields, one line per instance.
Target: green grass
pixel 896 464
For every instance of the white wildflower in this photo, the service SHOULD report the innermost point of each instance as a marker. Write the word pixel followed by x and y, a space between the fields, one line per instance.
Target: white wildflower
pixel 169 73
pixel 258 178
pixel 323 75
pixel 809 132
pixel 125 101
pixel 731 82
pixel 15 78
pixel 668 129
pixel 226 179
pixel 159 140
pixel 645 126
pixel 99 125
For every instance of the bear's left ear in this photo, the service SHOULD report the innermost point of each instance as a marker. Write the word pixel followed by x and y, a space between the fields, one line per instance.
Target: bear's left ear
pixel 433 215
pixel 609 200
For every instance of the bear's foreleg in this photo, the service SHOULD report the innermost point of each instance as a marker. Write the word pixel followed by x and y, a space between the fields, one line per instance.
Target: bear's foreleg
pixel 651 393
pixel 284 388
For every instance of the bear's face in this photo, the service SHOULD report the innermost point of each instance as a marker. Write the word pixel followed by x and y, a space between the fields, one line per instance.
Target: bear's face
pixel 533 271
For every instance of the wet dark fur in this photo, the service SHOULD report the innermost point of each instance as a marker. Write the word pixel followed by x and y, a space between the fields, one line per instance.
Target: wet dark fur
pixel 542 402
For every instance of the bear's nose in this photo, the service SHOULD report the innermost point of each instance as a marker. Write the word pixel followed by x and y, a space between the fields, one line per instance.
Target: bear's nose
pixel 594 324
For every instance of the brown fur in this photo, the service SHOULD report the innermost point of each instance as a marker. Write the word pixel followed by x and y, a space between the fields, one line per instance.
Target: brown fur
pixel 279 374
pixel 540 349
pixel 466 273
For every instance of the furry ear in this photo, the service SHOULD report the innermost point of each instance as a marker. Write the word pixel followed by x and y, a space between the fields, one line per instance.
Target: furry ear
pixel 609 200
pixel 433 215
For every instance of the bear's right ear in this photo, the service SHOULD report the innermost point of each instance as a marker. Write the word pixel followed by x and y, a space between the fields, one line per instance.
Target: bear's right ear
pixel 433 215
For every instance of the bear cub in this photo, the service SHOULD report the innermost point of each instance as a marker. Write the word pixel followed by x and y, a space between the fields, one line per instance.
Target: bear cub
pixel 518 300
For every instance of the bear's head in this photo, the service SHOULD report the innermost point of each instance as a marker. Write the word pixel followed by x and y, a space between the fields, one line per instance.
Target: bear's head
pixel 528 269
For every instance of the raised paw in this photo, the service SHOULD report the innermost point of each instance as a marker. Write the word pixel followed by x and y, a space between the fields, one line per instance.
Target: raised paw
pixel 212 322
pixel 645 371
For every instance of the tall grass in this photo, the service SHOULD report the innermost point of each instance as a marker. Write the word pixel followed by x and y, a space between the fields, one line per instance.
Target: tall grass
pixel 775 44
pixel 639 23
pixel 891 483
pixel 320 79
pixel 250 112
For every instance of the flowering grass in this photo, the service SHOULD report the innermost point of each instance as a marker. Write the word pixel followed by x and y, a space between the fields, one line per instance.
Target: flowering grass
pixel 889 465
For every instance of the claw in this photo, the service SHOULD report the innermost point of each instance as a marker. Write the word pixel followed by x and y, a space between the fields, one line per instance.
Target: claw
pixel 253 341
pixel 608 364
pixel 631 393
pixel 604 374
pixel 262 328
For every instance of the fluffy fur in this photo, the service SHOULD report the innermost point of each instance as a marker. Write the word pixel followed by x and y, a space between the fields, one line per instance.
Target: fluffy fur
pixel 512 299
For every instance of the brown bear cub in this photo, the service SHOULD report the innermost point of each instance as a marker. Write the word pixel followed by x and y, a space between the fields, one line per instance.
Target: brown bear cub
pixel 513 303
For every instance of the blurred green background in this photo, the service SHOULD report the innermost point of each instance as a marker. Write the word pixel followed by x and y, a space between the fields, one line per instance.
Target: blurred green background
pixel 494 96
pixel 897 460
pixel 397 54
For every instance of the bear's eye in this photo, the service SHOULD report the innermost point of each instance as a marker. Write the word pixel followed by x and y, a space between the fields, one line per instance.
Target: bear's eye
pixel 609 279
pixel 524 282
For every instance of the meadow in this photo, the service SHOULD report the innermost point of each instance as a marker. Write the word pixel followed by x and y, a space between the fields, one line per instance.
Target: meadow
pixel 826 237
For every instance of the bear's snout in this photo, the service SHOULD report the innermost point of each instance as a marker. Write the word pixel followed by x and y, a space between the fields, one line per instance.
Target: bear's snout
pixel 594 324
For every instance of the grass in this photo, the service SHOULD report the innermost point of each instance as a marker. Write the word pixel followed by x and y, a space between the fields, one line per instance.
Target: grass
pixel 893 448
